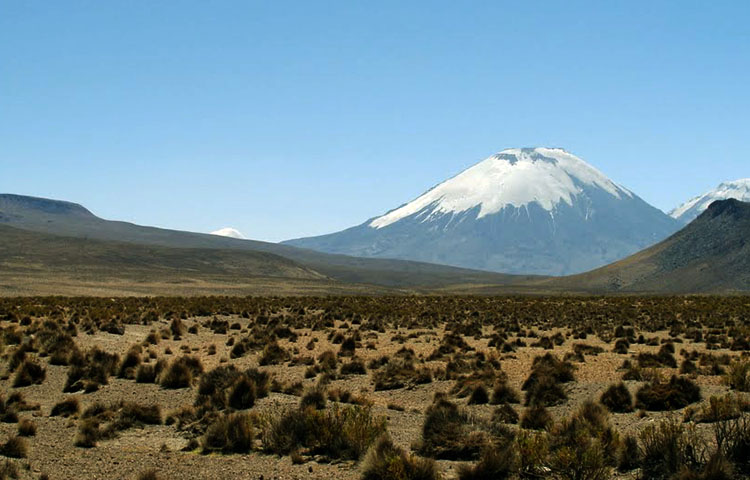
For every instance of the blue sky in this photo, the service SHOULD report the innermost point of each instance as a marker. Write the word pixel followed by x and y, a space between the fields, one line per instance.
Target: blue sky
pixel 286 119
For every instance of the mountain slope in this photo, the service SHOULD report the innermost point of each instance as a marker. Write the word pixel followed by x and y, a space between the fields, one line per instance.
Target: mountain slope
pixel 711 255
pixel 688 211
pixel 533 211
pixel 71 220
pixel 42 264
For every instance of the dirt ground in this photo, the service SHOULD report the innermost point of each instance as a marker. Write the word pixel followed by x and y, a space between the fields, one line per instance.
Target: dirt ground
pixel 161 447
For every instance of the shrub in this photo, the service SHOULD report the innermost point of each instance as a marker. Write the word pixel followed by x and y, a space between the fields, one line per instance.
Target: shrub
pixel 243 394
pixel 233 433
pixel 29 373
pixel 533 449
pixel 273 354
pixel 315 398
pixel 149 475
pixel 146 374
pixel 738 376
pixel 545 391
pixel 8 469
pixel 733 441
pixel 340 433
pixel 385 461
pixel 617 399
pixel 504 393
pixel 135 415
pixel 89 371
pixel 88 433
pixel 15 447
pixel 399 373
pixel 180 373
pixel 668 447
pixel 505 414
pixel 630 454
pixel 130 364
pixel 446 433
pixel 536 417
pixel 550 366
pixel 26 427
pixel 679 392
pixel 355 367
pixel 718 409
pixel 479 396
pixel 495 463
pixel 65 408
pixel 585 445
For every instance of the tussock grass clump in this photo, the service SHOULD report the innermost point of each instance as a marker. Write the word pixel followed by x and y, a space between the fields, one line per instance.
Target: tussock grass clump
pixel 315 397
pixel 129 364
pixel 26 427
pixel 149 373
pixel 630 454
pixel 90 370
pixel 504 393
pixel 66 408
pixel 29 373
pixel 242 394
pixel 386 461
pixel 733 441
pixel 544 384
pixel 8 470
pixel 103 422
pixel 15 447
pixel 339 433
pixel 536 417
pixel 668 447
pixel 678 393
pixel 273 354
pixel 180 373
pixel 355 367
pixel 479 396
pixel 399 373
pixel 738 376
pixel 87 434
pixel 496 462
pixel 447 433
pixel 505 414
pixel 617 398
pixel 718 409
pixel 149 475
pixel 585 445
pixel 232 433
pixel 226 387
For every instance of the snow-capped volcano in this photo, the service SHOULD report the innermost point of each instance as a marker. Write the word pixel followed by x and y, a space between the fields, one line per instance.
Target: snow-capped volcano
pixel 513 177
pixel 229 232
pixel 540 210
pixel 688 211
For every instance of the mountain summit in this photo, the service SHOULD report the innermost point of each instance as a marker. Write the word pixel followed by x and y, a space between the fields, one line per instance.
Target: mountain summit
pixel 738 189
pixel 531 210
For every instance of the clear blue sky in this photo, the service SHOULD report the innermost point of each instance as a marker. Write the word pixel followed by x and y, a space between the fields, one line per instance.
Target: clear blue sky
pixel 286 119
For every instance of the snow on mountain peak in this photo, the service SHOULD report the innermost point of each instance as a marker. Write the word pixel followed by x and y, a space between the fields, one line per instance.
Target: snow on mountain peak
pixel 229 232
pixel 513 177
pixel 688 211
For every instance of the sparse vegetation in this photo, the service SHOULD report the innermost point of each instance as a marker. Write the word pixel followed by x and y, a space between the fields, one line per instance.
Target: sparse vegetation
pixel 474 348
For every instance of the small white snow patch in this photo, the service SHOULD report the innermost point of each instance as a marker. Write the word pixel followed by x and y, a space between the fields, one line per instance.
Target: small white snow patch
pixel 229 232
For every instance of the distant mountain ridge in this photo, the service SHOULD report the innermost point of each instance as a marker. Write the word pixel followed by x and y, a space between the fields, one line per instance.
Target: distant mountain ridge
pixel 688 211
pixel 66 219
pixel 522 211
pixel 710 255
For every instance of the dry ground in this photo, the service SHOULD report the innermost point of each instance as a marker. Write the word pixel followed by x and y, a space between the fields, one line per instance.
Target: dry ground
pixel 161 447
